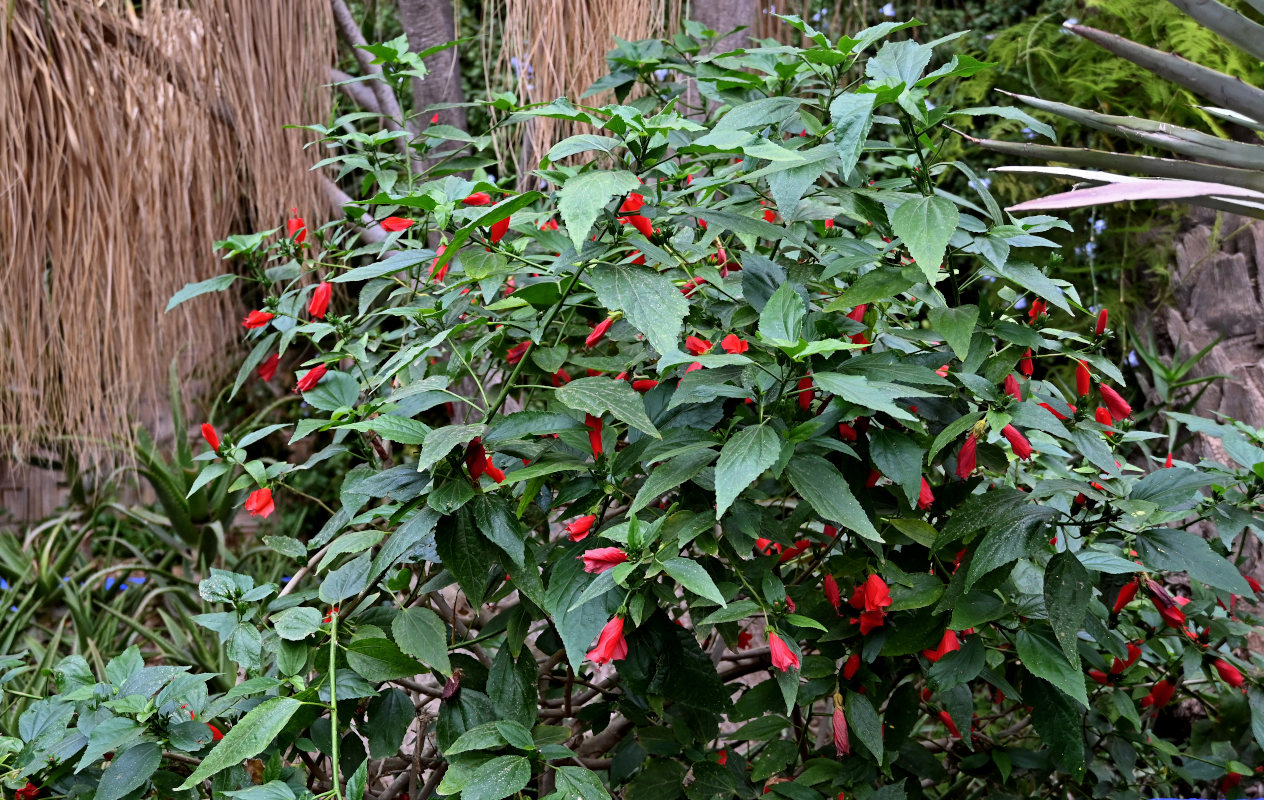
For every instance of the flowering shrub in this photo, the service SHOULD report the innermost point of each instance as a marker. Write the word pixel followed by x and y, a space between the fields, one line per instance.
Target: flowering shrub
pixel 724 464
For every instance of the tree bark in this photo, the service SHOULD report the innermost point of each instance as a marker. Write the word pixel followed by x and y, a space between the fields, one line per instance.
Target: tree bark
pixel 1218 288
pixel 428 23
pixel 722 16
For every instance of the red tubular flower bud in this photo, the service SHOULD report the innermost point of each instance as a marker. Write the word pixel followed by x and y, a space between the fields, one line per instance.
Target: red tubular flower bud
pixel 642 224
pixel 257 319
pixel 783 658
pixel 1018 442
pixel 1126 594
pixel 598 332
pixel 924 497
pixel 1229 673
pixel 476 458
pixel 295 228
pixel 600 559
pixel 1119 408
pixel 851 666
pixel 967 457
pixel 499 229
pixel 830 587
pixel 1083 379
pixel 1103 416
pixel 842 742
pixel 697 346
pixel 846 432
pixel 805 393
pixel 611 646
pixel 946 718
pixel 320 300
pixel 1167 464
pixel 311 378
pixel 260 503
pixel 594 426
pixel 478 199
pixel 514 354
pixel 644 385
pixel 1119 665
pixel 1099 676
pixel 1101 322
pixel 1025 365
pixel 633 204
pixel 1012 389
pixel 211 437
pixel 1160 695
pixel 577 529
pixel 560 378
pixel 267 370
pixel 397 224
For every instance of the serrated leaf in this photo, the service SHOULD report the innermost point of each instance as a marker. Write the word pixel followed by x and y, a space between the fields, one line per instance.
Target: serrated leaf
pixel 420 633
pixel 1042 657
pixel 378 660
pixel 669 475
pixel 247 739
pixel 693 577
pixel 743 459
pixel 439 442
pixel 956 325
pixel 925 225
pixel 821 484
pixel 852 116
pixel 599 395
pixel 582 198
pixel 1067 593
pixel 191 290
pixel 649 300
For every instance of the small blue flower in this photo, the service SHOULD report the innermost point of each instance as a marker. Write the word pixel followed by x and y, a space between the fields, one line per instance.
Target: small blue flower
pixel 1099 225
pixel 1020 303
pixel 3 584
pixel 888 10
pixel 1133 361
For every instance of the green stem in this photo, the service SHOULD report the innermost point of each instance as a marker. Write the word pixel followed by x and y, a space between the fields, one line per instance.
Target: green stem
pixel 333 704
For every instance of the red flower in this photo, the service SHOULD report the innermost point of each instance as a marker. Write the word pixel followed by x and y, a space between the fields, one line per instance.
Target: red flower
pixel 611 646
pixel 1083 380
pixel 551 225
pixel 438 273
pixel 967 458
pixel 846 432
pixel 829 223
pixel 1229 673
pixel 870 620
pixel 216 735
pixel 476 458
pixel 783 658
pixel 1053 410
pixel 695 365
pixel 396 224
pixel 744 640
pixel 734 344
pixel 212 438
pixel 633 204
pixel 515 353
pixel 1038 308
pixel 1254 584
pixel 924 497
pixel 598 332
pixel 495 473
pixel 320 300
pixel 1119 408
pixel 947 644
pixel 257 319
pixel 1134 652
pixel 602 558
pixel 1024 363
pixel 697 346
pixel 269 367
pixel 578 528
pixel 594 426
pixel 1126 594
pixel 295 225
pixel 722 757
pixel 770 215
pixel 830 587
pixel 1168 463
pixel 1103 417
pixel 259 503
pixel 560 378
pixel 642 224
pixel 644 385
pixel 478 199
pixel 1160 695
pixel 1101 322
pixel 872 595
pixel 1017 442
pixel 946 718
pixel 851 666
pixel 857 314
pixel 690 285
pixel 1166 606
pixel 1011 388
pixel 499 229
pixel 805 393
pixel 311 378
pixel 842 742
pixel 1099 676
pixel 1229 781
pixel 28 792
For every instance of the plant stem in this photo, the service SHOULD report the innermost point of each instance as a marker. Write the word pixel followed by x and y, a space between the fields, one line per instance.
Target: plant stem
pixel 333 704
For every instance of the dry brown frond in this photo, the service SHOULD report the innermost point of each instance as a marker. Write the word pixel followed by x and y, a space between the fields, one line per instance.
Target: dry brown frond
pixel 131 141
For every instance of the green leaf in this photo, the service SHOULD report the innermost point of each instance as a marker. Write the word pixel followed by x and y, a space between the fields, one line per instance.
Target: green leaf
pixel 743 459
pixel 659 779
pixel 498 778
pixel 693 577
pixel 582 198
pixel 420 633
pixel 580 783
pixel 649 300
pixel 1060 725
pixel 247 739
pixel 1044 659
pixel 337 390
pixel 950 434
pixel 1067 592
pixel 296 624
pixel 956 325
pixel 781 321
pixel 899 458
pixel 821 484
pixel 393 429
pixel 599 395
pixel 440 441
pixel 582 143
pixel 879 284
pixel 669 475
pixel 349 579
pixel 389 716
pixel 863 720
pixel 926 224
pixel 875 395
pixel 579 627
pixel 378 660
pixel 1011 536
pixel 128 771
pixel 191 290
pixel 1180 551
pixel 852 116
pixel 735 611
pixel 493 517
pixel 464 552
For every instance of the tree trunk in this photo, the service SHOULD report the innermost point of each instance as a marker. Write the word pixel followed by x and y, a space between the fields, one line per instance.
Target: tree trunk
pixel 1218 287
pixel 428 23
pixel 722 16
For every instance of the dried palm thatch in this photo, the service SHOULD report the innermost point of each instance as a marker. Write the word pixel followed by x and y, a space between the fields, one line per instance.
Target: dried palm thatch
pixel 558 49
pixel 132 139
